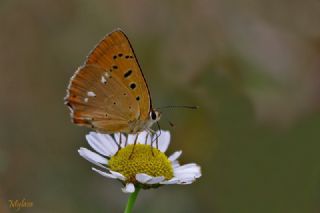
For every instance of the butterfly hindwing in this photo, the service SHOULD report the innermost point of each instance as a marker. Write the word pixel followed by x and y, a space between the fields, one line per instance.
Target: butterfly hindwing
pixel 99 99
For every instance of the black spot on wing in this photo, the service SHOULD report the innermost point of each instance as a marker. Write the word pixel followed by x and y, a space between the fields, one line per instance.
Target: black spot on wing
pixel 127 74
pixel 133 85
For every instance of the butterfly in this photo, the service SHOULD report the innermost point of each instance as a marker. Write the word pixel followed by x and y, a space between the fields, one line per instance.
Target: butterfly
pixel 109 92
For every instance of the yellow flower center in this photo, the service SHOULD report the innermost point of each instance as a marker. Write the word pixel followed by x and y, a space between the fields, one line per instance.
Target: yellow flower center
pixel 143 159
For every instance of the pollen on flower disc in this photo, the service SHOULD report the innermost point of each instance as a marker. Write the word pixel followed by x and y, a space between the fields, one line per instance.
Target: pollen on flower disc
pixel 143 160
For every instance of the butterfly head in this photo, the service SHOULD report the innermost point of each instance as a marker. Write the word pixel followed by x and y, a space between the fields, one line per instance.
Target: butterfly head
pixel 155 115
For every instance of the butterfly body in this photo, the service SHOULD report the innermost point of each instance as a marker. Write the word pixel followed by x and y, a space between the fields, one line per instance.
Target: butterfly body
pixel 109 92
pixel 140 125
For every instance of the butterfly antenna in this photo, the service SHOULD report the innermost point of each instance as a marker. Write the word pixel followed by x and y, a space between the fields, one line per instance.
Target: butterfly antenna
pixel 182 106
pixel 173 106
pixel 170 123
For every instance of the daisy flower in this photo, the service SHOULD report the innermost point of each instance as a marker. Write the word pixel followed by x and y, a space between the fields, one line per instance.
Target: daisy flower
pixel 140 165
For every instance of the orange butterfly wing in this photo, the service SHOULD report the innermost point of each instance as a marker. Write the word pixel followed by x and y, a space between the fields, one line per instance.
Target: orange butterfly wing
pixel 109 91
pixel 115 53
pixel 100 101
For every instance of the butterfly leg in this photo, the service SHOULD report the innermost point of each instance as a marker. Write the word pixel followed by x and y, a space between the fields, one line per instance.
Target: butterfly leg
pixel 120 140
pixel 118 144
pixel 126 142
pixel 134 144
pixel 159 129
pixel 157 136
pixel 149 134
pixel 154 140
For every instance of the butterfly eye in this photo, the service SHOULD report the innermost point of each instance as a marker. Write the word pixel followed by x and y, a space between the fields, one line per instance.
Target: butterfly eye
pixel 153 115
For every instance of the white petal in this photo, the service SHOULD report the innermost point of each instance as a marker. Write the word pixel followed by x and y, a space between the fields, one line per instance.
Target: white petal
pixel 186 182
pixel 191 169
pixel 92 157
pixel 175 164
pixel 118 175
pixel 171 181
pixel 175 156
pixel 186 177
pixel 143 178
pixel 142 137
pixel 189 166
pixel 155 180
pixel 129 188
pixel 163 140
pixel 110 143
pixel 102 143
pixel 148 139
pixel 104 173
pixel 187 173
pixel 97 145
pixel 117 138
pixel 131 138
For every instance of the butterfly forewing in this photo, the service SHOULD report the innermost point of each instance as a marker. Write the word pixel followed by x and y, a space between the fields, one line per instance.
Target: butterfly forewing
pixel 115 54
pixel 109 92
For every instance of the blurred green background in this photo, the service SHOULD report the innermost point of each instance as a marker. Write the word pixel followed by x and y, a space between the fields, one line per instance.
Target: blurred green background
pixel 253 66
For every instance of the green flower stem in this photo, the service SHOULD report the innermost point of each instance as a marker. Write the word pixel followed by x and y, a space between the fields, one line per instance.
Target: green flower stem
pixel 131 200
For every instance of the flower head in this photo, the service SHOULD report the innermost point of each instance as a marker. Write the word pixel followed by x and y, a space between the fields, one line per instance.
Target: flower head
pixel 143 164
